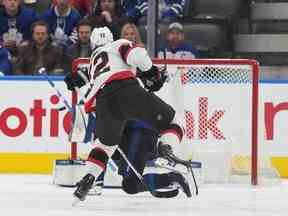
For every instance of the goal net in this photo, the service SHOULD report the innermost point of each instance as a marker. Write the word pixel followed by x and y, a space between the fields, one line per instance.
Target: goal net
pixel 218 100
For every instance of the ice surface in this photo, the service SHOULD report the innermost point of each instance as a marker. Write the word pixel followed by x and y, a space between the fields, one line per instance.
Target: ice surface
pixel 35 195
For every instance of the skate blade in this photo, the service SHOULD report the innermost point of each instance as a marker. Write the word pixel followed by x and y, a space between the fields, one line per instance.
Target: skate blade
pixel 75 201
pixel 94 194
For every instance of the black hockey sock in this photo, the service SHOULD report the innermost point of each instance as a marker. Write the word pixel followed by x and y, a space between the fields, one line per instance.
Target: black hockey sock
pixel 98 156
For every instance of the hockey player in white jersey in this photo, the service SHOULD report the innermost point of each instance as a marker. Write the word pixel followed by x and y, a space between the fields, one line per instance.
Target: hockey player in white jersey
pixel 117 98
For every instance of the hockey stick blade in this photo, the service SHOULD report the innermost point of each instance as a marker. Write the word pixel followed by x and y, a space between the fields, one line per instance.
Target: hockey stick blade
pixel 75 201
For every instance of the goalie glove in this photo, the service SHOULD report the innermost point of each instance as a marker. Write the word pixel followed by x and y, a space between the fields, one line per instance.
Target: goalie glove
pixel 76 80
pixel 153 79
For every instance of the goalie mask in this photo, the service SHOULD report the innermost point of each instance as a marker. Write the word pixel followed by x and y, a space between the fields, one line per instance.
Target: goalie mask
pixel 100 37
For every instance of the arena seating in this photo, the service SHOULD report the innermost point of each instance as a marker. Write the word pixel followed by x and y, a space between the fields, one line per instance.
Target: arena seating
pixel 269 17
pixel 220 9
pixel 263 35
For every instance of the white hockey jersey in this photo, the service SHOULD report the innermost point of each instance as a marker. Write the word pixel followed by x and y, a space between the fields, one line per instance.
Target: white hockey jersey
pixel 114 61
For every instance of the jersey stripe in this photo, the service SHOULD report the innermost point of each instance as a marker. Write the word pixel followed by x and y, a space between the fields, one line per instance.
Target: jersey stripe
pixel 125 49
pixel 89 105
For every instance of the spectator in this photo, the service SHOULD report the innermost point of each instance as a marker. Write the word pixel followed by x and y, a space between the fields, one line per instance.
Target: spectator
pixel 176 47
pixel 62 19
pixel 82 48
pixel 5 62
pixel 39 6
pixel 29 2
pixel 39 53
pixel 130 32
pixel 1 5
pixel 84 7
pixel 169 10
pixel 108 13
pixel 15 24
pixel 135 9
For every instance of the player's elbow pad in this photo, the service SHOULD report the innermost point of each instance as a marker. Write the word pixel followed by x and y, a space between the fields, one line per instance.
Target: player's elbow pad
pixel 139 58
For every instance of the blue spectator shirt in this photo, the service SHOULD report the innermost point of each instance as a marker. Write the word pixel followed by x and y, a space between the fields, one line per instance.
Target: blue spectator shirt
pixel 183 51
pixel 5 64
pixel 66 23
pixel 167 8
pixel 22 22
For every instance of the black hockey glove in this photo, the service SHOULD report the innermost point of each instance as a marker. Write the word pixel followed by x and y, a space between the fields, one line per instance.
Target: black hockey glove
pixel 75 80
pixel 153 79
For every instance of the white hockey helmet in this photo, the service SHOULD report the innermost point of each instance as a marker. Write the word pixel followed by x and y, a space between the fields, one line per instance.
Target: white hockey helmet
pixel 101 36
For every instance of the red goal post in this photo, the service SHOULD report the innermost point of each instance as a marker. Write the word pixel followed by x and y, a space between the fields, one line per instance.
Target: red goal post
pixel 204 82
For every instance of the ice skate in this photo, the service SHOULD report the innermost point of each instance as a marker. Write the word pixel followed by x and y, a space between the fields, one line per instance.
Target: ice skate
pixel 96 189
pixel 180 181
pixel 83 188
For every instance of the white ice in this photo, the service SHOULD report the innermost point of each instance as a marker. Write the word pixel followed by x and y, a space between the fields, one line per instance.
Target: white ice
pixel 35 195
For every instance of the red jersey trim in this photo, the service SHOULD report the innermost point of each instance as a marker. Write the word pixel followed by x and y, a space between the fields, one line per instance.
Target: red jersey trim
pixel 89 106
pixel 172 131
pixel 125 49
pixel 97 162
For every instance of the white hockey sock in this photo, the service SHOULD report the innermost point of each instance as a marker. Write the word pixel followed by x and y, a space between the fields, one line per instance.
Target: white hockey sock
pixel 93 169
pixel 172 136
pixel 98 158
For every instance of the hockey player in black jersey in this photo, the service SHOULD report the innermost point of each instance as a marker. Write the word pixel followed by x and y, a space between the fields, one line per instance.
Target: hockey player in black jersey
pixel 117 98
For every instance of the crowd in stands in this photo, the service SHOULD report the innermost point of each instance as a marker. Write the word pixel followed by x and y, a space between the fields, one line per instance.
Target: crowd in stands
pixel 51 33
pixel 175 46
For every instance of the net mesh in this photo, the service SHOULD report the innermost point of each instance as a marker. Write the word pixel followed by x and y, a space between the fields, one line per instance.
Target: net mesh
pixel 216 74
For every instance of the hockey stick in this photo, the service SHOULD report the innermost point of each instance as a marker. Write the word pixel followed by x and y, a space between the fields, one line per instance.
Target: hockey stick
pixel 159 194
pixel 79 92
pixel 83 76
pixel 189 168
pixel 43 72
pixel 139 176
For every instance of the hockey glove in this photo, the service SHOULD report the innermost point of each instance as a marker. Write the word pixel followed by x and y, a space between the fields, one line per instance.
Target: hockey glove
pixel 76 80
pixel 153 79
